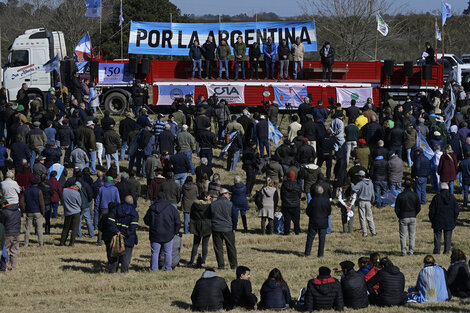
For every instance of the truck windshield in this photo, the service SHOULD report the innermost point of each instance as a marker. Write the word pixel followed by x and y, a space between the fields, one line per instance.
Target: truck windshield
pixel 18 58
pixel 458 60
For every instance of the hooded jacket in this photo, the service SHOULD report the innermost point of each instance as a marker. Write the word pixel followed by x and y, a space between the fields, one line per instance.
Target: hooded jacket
pixel 290 194
pixel 457 279
pixel 443 211
pixel 163 221
pixel 364 190
pixel 125 219
pixel 108 193
pixel 189 195
pixel 354 289
pixel 324 293
pixel 309 174
pixel 391 286
pixel 210 293
pixel 10 217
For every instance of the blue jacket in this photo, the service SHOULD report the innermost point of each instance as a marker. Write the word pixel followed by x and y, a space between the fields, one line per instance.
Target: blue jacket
pixel 125 219
pixel 107 194
pixel 96 187
pixel 20 151
pixel 421 166
pixel 195 52
pixel 464 167
pixel 319 114
pixel 31 198
pixel 431 284
pixel 273 52
pixel 163 220
pixel 180 163
pixel 273 296
pixel 239 196
pixel 3 155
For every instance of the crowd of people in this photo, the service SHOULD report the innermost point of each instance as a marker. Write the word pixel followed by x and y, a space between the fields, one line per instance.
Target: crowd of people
pixel 53 153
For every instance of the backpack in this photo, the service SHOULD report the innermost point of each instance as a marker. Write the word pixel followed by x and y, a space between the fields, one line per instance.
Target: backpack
pixel 259 199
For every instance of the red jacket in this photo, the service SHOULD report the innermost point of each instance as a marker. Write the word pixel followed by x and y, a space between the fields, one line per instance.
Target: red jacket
pixel 57 187
pixel 448 167
pixel 24 180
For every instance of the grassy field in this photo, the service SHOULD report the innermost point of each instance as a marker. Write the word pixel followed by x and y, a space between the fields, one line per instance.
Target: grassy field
pixel 64 279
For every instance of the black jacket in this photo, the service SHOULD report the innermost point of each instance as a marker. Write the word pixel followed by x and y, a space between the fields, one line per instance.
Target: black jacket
pixel 286 153
pixel 180 163
pixel 65 135
pixel 309 130
pixel 407 204
pixel 201 123
pixel 443 211
pixel 137 95
pixel 254 53
pixel 125 189
pixel 52 156
pixel 210 293
pixel 10 217
pixel 353 113
pixel 330 58
pixel 291 194
pixel 391 286
pixel 379 170
pixel 126 126
pixel 396 137
pixel 201 169
pixel 318 211
pixel 354 289
pixel 163 220
pixel 250 159
pixel 106 123
pixel 166 141
pixel 283 51
pixel 273 296
pixel 324 293
pixel 47 192
pixel 124 219
pixel 19 151
pixel 305 153
pixel 421 166
pixel 458 278
pixel 303 110
pixel 208 50
pixel 242 294
pixel 206 139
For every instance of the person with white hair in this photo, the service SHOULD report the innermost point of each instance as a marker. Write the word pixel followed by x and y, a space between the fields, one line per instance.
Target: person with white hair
pixel 187 144
pixel 10 188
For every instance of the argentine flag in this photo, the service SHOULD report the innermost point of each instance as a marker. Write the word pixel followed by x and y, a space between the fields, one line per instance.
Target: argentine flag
pixel 274 134
pixel 423 144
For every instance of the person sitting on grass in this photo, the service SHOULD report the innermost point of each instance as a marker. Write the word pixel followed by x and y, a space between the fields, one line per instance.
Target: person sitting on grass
pixel 431 285
pixel 242 295
pixel 275 293
pixel 210 293
pixel 458 276
pixel 391 285
pixel 324 292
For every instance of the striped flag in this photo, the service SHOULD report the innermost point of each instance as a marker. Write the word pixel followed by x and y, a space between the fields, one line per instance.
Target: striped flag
pixel 423 144
pixel 82 53
pixel 274 134
pixel 225 149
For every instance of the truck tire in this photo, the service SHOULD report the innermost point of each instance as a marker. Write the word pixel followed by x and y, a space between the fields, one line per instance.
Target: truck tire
pixel 115 103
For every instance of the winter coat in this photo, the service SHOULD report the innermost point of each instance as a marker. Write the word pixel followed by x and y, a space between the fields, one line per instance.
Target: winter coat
pixel 431 284
pixel 19 152
pixel 309 173
pixel 10 217
pixel 395 169
pixel 391 286
pixel 443 211
pixel 107 194
pixel 210 293
pixel 180 163
pixel 421 166
pixel 262 129
pixel 189 196
pixel 354 289
pixel 464 167
pixel 457 279
pixel 125 219
pixel 126 126
pixel 298 51
pixel 186 141
pixel 195 52
pixel 274 170
pixel 223 52
pixel 155 186
pixel 324 293
pixel 239 49
pixel 410 138
pixel 309 130
pixel 166 141
pixel 199 225
pixel 37 139
pixel 270 200
pixel 254 53
pixel 220 213
pixel 407 204
pixel 65 136
pixel 163 221
pixel 32 200
pixel 242 295
pixel 329 59
pixel 209 50
pixel 273 112
pixel 52 156
pixel 305 153
pixel 448 167
pixel 318 211
pixel 286 154
pixel 274 296
pixel 291 194
pixel 171 190
pixel 269 50
pixel 283 51
pixel 239 196
pixel 125 188
pixel 379 169
pixel 57 188
pixel 111 141
pixel 47 192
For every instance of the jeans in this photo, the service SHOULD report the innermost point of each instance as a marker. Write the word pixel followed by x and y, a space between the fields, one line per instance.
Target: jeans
pixel 350 146
pixel 269 68
pixel 221 125
pixel 242 211
pixel 380 188
pixel 86 213
pixel 237 65
pixel 223 63
pixel 38 221
pixel 284 69
pixel 206 153
pixel 437 241
pixel 309 197
pixel 465 194
pixel 298 65
pixel 263 143
pixel 115 157
pixel 189 154
pixel 233 158
pixel 420 188
pixel 365 214
pixel 34 153
pixel 339 141
pixel 198 64
pixel 395 188
pixel 123 150
pixel 167 250
pixel 181 178
pixel 321 242
pixel 55 208
pixel 186 223
pixel 451 186
pixel 408 154
pixel 407 224
pixel 92 155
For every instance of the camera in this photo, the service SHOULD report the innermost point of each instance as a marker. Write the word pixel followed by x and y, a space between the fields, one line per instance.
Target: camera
pixel 288 105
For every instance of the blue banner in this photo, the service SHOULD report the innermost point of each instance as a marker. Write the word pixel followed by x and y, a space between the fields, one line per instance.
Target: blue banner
pixel 175 38
pixel 114 74
pixel 291 97
pixel 168 93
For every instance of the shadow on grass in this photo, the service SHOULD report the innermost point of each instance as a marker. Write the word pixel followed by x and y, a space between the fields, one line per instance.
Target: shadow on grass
pixel 181 305
pixel 97 266
pixel 277 251
pixel 439 308
pixel 367 252
pixel 463 222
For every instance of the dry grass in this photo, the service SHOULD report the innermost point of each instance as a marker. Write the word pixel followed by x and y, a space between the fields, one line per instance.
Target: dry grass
pixel 63 279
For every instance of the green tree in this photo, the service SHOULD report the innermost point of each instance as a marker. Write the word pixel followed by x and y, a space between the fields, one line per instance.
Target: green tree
pixel 135 10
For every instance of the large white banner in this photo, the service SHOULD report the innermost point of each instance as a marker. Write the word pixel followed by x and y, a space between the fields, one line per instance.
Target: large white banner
pixel 232 94
pixel 345 95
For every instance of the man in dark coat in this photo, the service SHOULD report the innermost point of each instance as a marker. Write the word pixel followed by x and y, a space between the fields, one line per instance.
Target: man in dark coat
pixel 443 213
pixel 247 124
pixel 378 174
pixel 207 140
pixel 327 54
pixel 251 163
pixel 290 196
pixel 137 96
pixel 324 292
pixel 354 287
pixel 318 211
pixel 304 109
pixel 126 126
pixel 420 171
pixel 391 285
pixel 167 140
pixel 210 293
pixel 208 51
pixel 242 295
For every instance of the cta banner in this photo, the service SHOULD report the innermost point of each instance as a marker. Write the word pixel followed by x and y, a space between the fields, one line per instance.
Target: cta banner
pixel 232 94
pixel 290 97
pixel 168 93
pixel 175 38
pixel 345 95
pixel 114 74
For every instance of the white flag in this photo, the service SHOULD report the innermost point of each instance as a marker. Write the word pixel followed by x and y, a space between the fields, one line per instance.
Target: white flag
pixel 382 27
pixel 438 32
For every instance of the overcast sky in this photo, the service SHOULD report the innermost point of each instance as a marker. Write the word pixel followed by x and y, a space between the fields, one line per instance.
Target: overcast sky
pixel 285 8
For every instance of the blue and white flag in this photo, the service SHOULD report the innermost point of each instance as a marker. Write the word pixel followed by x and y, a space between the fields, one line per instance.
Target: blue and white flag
pixel 423 144
pixel 225 149
pixel 52 65
pixel 446 12
pixel 449 111
pixel 121 16
pixel 168 93
pixel 82 53
pixel 290 95
pixel 93 8
pixel 274 134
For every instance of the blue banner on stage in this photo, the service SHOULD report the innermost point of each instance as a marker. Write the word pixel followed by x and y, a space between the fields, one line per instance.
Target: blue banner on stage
pixel 115 74
pixel 291 97
pixel 175 38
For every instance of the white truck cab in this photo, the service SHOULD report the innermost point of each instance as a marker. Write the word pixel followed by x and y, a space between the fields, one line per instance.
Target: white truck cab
pixel 26 57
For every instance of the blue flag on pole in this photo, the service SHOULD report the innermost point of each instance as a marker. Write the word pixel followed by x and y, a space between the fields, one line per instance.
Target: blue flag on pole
pixel 446 12
pixel 52 65
pixel 274 134
pixel 121 16
pixel 93 8
pixel 225 149
pixel 423 144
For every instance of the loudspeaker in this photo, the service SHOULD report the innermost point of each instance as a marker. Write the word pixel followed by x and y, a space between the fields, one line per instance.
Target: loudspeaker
pixel 408 69
pixel 133 65
pixel 145 66
pixel 66 70
pixel 427 71
pixel 388 67
pixel 94 68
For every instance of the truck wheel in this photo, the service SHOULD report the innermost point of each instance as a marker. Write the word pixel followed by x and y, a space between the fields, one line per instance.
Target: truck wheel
pixel 115 103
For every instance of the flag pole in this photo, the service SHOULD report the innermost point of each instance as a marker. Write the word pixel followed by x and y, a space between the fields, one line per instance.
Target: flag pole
pixel 376 36
pixel 101 15
pixel 120 22
pixel 435 38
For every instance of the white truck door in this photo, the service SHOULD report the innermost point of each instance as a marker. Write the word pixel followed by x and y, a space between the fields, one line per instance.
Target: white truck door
pixel 18 70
